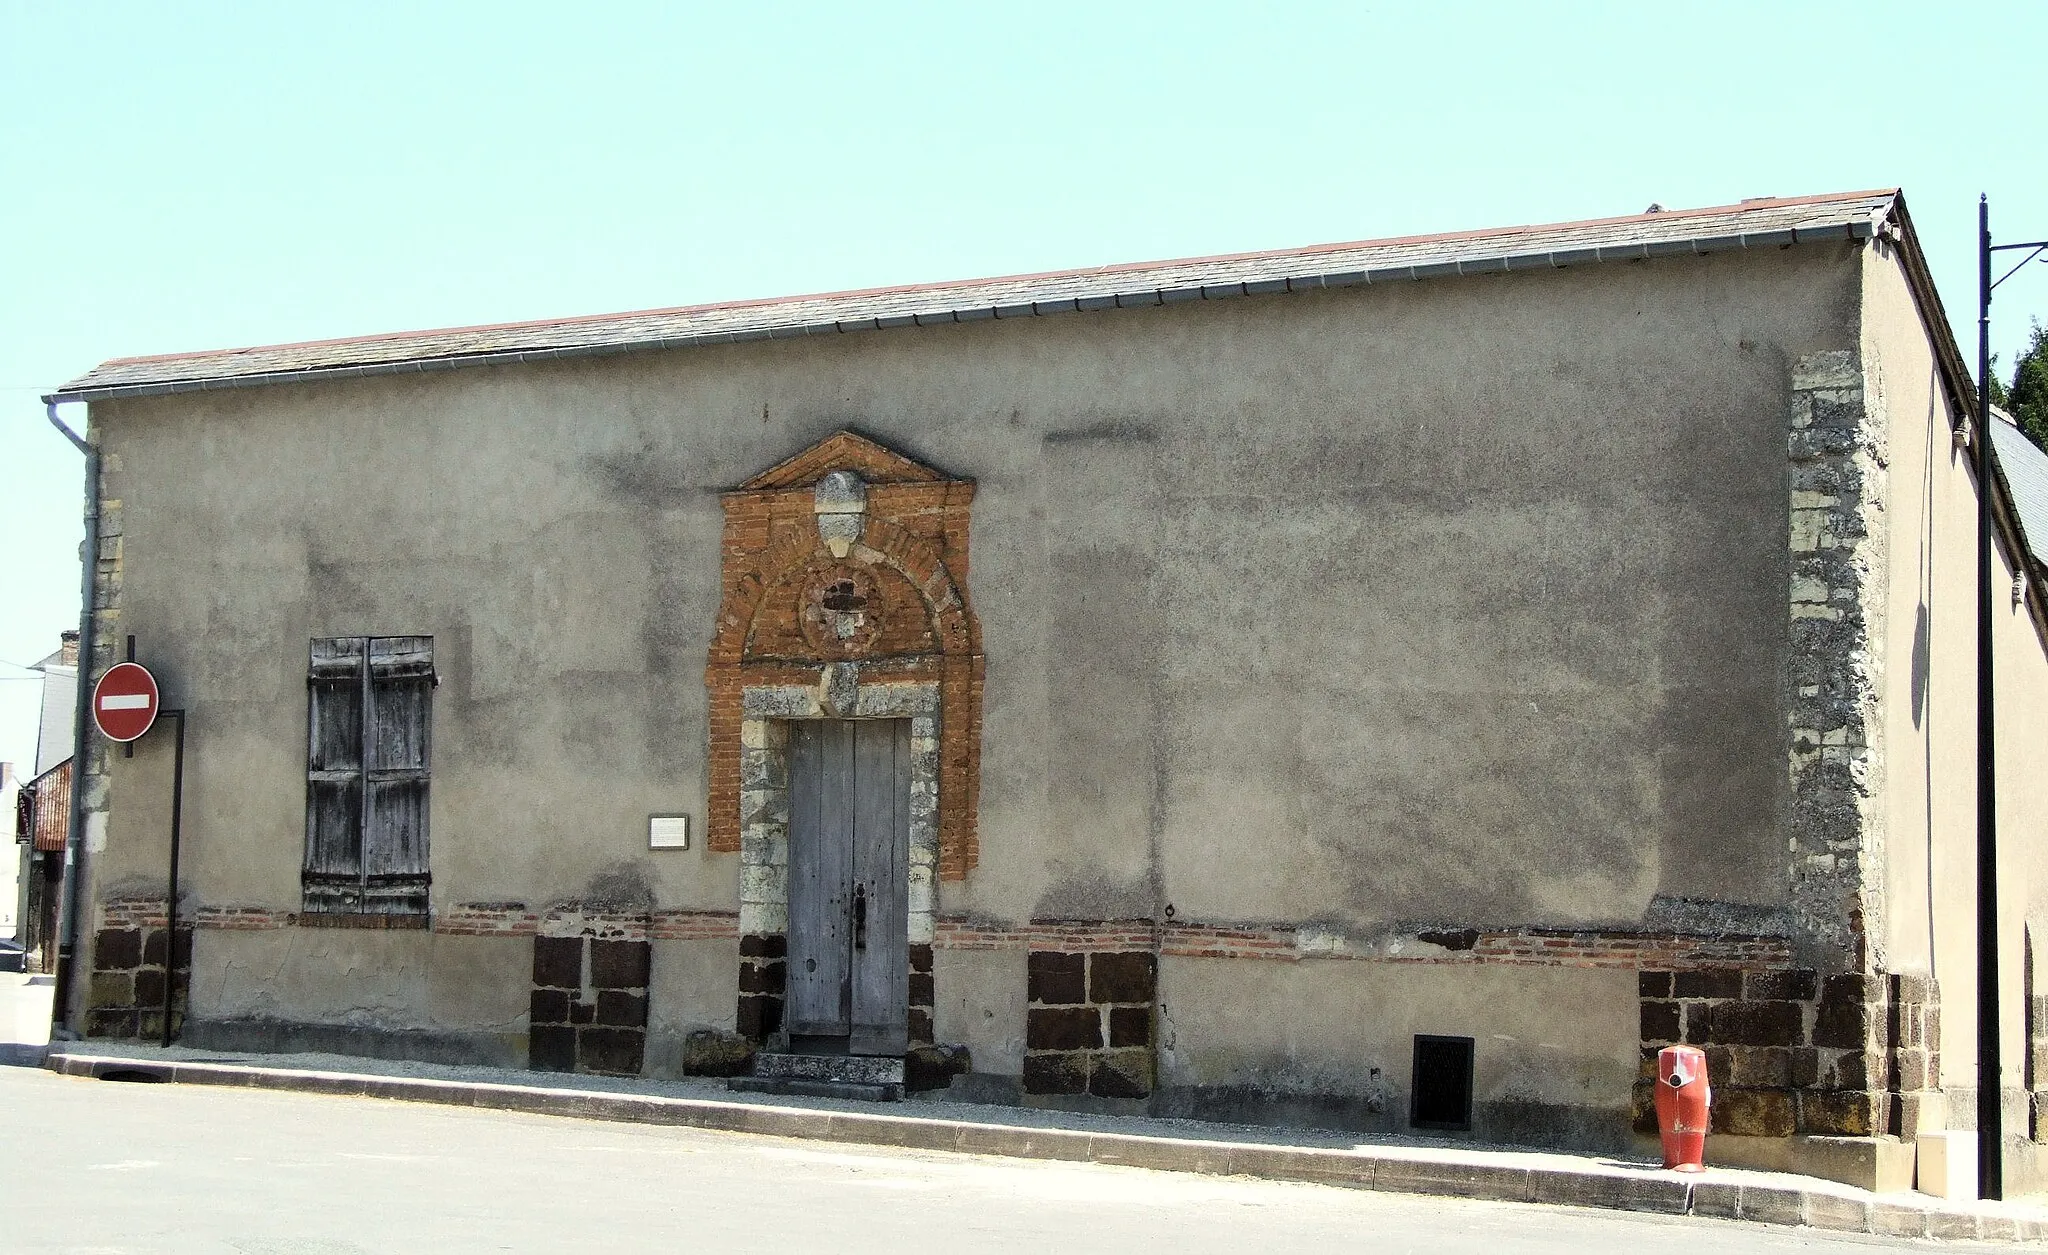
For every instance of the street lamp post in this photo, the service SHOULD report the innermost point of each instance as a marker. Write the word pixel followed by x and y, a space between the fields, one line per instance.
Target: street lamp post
pixel 1990 1072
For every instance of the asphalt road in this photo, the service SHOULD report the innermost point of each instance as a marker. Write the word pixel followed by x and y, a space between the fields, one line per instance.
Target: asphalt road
pixel 104 1167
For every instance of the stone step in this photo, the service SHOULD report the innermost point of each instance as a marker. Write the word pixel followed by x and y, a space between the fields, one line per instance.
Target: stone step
pixel 835 1069
pixel 815 1089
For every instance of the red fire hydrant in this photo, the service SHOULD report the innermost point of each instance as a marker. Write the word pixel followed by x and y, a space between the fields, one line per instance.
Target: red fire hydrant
pixel 1683 1101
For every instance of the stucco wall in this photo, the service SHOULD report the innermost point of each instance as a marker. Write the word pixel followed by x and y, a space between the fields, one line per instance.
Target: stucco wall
pixel 2022 737
pixel 1454 601
pixel 422 993
pixel 1931 764
pixel 1931 645
pixel 1329 1043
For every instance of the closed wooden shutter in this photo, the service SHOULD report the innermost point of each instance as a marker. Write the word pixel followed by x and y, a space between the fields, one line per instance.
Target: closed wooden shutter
pixel 396 743
pixel 333 876
pixel 369 714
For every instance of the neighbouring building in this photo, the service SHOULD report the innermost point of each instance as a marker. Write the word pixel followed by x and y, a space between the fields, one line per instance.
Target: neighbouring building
pixel 11 886
pixel 42 810
pixel 1383 685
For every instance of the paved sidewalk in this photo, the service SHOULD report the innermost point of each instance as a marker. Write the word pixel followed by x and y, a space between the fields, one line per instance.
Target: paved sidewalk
pixel 1407 1165
pixel 24 1017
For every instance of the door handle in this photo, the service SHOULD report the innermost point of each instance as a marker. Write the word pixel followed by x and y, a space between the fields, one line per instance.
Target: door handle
pixel 860 917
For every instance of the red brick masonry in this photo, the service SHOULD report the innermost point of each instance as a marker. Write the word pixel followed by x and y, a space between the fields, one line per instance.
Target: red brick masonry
pixel 1529 947
pixel 923 629
pixel 466 919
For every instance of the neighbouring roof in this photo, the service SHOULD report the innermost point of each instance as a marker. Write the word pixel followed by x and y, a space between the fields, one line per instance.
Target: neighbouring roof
pixel 2025 468
pixel 1761 223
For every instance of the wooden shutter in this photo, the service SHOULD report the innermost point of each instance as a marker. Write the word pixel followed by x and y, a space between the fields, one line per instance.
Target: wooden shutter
pixel 396 749
pixel 369 718
pixel 333 875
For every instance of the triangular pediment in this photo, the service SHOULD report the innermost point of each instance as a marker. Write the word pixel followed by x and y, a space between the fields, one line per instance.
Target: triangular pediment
pixel 843 451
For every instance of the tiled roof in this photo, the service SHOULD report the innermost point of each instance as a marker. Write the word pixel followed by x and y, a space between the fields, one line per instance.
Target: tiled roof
pixel 1752 224
pixel 2025 468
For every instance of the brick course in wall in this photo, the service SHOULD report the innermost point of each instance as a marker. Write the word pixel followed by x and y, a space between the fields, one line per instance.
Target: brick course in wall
pixel 1534 947
pixel 478 919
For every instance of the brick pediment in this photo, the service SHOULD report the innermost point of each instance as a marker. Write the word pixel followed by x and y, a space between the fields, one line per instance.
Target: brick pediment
pixel 844 451
pixel 844 567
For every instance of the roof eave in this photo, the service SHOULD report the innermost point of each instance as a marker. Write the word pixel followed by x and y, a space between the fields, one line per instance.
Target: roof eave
pixel 1851 229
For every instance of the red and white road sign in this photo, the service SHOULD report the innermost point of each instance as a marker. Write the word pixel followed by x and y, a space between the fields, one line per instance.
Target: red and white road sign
pixel 124 702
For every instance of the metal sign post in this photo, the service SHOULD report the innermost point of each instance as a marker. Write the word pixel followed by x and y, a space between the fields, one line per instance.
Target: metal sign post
pixel 171 897
pixel 125 706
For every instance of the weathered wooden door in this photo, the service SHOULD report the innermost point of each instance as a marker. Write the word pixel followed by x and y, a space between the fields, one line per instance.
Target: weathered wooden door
pixel 849 845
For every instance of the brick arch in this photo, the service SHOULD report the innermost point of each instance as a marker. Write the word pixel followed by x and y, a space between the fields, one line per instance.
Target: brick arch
pixel 917 561
pixel 916 525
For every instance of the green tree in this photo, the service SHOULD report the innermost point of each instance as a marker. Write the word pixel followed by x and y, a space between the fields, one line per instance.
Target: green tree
pixel 2027 399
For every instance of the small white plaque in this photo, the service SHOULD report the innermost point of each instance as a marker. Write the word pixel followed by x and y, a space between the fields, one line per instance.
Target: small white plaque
pixel 668 832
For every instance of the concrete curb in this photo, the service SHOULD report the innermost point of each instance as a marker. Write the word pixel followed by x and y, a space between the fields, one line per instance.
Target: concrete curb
pixel 1490 1176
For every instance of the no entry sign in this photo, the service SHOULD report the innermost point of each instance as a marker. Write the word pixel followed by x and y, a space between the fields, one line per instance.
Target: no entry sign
pixel 124 702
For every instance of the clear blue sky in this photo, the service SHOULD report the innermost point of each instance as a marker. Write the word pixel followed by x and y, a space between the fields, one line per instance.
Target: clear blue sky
pixel 187 176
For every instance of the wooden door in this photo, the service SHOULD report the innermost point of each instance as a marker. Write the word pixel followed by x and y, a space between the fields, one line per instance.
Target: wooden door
pixel 881 887
pixel 849 831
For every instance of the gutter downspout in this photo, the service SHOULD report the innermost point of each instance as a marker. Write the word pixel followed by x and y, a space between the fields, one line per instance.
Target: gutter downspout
pixel 68 930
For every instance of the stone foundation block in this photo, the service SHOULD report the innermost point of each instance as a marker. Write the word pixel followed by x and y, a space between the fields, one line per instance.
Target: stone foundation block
pixel 113 989
pixel 764 946
pixel 1063 1028
pixel 1130 1026
pixel 1755 1113
pixel 1839 1113
pixel 1121 1074
pixel 1782 985
pixel 620 1009
pixel 611 1051
pixel 1745 1024
pixel 1128 977
pixel 1842 1024
pixel 1764 1067
pixel 1710 983
pixel 1056 1074
pixel 620 964
pixel 759 1017
pixel 551 1048
pixel 708 1052
pixel 117 948
pixel 1055 978
pixel 558 962
pixel 763 978
pixel 548 1006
